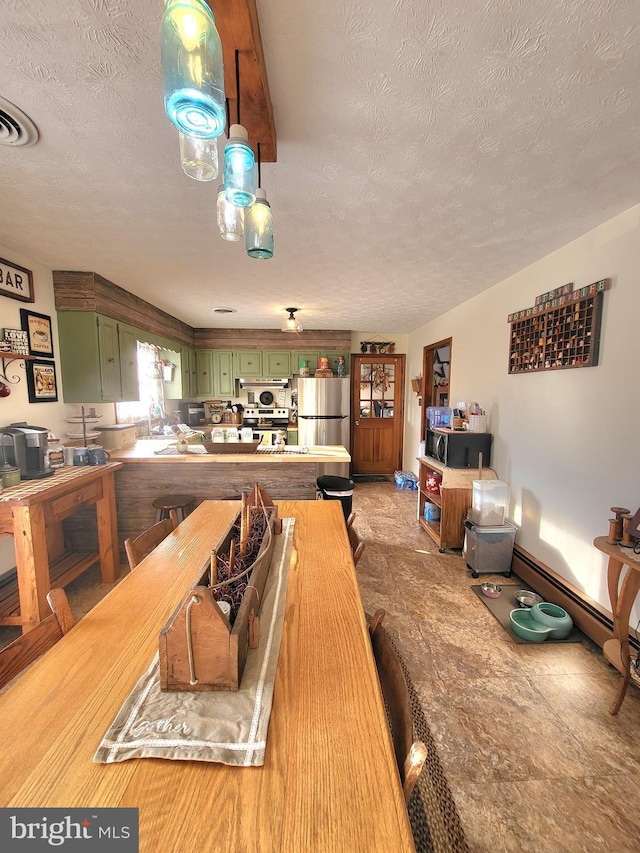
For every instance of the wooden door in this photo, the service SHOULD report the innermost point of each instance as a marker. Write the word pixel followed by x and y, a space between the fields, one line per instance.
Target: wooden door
pixel 377 405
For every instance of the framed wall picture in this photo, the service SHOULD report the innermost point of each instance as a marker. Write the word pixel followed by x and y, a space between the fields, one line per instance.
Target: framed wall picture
pixel 38 329
pixel 16 282
pixel 42 381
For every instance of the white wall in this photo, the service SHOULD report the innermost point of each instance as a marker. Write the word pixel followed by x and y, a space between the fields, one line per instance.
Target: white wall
pixel 564 440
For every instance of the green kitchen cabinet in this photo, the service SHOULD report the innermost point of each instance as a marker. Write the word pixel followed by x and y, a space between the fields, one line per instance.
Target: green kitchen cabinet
pixel 247 364
pixel 276 364
pixel 311 356
pixel 128 345
pixel 204 373
pixel 333 359
pixel 91 355
pixel 187 357
pixel 214 369
pixel 223 379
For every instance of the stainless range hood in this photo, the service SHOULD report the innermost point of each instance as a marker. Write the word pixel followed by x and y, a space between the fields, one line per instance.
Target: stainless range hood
pixel 264 383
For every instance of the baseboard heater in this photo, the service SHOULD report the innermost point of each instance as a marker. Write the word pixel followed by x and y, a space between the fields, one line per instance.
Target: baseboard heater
pixel 589 616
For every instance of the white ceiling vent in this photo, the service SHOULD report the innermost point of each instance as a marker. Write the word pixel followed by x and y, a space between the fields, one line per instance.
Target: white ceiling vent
pixel 16 128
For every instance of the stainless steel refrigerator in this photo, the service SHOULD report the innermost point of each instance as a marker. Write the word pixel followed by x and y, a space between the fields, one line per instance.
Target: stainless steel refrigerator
pixel 323 412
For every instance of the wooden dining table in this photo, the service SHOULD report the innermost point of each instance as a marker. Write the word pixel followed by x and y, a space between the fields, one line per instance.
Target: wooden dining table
pixel 329 781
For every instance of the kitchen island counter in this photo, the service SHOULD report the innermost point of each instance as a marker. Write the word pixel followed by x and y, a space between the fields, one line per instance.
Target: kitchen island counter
pixel 154 450
pixel 147 474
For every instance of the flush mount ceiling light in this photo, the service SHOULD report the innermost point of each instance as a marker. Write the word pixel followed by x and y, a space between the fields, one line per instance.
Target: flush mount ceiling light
pixel 16 128
pixel 291 324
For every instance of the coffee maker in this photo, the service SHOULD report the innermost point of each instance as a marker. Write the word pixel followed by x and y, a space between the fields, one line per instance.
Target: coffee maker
pixel 25 447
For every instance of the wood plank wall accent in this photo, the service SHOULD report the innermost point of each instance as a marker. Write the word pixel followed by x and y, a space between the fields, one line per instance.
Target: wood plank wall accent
pixel 88 291
pixel 589 616
pixel 264 339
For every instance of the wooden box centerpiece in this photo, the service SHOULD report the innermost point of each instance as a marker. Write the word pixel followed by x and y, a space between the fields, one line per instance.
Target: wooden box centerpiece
pixel 201 647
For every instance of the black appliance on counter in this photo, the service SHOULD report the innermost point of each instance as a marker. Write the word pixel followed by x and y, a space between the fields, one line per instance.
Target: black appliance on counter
pixel 192 414
pixel 25 447
pixel 458 448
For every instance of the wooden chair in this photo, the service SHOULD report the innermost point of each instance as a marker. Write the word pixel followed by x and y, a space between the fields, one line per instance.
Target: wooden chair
pixel 28 647
pixel 138 548
pixel 357 545
pixel 351 519
pixel 410 754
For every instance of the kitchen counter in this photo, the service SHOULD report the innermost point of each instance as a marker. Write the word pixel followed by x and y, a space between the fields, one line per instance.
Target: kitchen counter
pixel 147 450
pixel 146 474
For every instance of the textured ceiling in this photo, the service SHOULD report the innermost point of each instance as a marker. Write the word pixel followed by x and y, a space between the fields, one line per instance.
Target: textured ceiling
pixel 426 151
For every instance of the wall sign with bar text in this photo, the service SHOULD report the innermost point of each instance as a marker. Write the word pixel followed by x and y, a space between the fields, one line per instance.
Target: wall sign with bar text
pixel 16 282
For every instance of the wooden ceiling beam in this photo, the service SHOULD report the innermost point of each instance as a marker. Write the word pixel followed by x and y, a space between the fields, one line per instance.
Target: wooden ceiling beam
pixel 237 24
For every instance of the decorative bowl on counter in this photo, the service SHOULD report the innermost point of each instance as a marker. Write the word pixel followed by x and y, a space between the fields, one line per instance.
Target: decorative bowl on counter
pixel 230 446
pixel 525 626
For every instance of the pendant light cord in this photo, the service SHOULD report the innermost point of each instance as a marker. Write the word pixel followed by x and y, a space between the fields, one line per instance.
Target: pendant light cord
pixel 238 87
pixel 259 174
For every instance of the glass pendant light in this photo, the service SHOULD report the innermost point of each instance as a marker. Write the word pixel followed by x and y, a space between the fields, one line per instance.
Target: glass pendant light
pixel 239 162
pixel 230 218
pixel 192 68
pixel 199 157
pixel 291 324
pixel 258 230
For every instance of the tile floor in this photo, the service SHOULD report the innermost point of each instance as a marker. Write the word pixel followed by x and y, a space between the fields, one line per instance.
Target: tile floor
pixel 534 759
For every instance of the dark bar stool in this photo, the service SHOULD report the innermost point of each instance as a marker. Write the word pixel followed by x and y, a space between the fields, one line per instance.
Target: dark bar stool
pixel 183 505
pixel 337 489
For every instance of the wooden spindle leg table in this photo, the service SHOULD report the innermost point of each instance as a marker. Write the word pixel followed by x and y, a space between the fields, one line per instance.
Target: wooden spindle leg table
pixel 622 594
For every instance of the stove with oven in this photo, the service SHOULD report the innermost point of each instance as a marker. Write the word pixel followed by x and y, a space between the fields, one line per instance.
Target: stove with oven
pixel 267 421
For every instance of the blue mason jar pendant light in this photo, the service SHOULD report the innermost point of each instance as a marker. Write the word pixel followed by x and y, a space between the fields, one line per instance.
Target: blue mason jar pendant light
pixel 192 69
pixel 239 163
pixel 258 227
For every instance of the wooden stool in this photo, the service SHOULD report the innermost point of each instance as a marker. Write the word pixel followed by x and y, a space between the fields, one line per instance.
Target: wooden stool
pixel 183 505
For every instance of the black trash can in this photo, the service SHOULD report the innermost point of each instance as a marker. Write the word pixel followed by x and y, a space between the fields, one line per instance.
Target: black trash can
pixel 337 489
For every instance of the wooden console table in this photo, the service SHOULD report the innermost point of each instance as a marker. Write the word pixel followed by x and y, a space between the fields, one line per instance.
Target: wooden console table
pixel 622 596
pixel 33 513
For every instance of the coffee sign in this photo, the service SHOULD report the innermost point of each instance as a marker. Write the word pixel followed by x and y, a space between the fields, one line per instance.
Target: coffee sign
pixel 16 282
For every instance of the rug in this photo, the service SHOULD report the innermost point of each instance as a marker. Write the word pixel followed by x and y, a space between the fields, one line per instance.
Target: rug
pixel 371 478
pixel 501 607
pixel 434 818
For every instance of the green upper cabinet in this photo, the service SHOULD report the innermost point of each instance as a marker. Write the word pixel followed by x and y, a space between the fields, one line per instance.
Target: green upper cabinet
pixel 247 364
pixel 333 359
pixel 91 356
pixel 223 380
pixel 214 369
pixel 204 373
pixel 276 364
pixel 186 357
pixel 128 341
pixel 311 356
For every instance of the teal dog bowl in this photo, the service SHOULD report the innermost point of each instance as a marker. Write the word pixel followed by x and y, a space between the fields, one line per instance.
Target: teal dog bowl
pixel 553 616
pixel 525 626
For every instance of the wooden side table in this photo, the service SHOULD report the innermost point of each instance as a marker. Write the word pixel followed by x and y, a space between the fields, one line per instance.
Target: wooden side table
pixel 32 513
pixel 621 595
